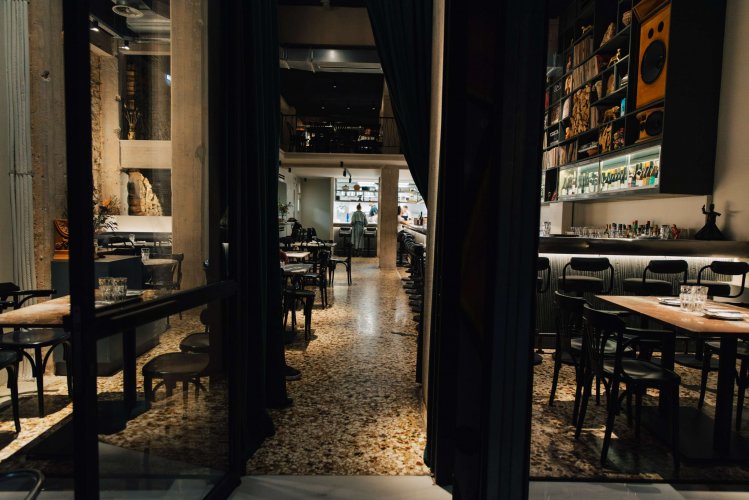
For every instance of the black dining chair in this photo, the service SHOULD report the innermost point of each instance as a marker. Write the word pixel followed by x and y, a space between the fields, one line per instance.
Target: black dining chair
pixel 653 286
pixel 334 261
pixel 587 283
pixel 319 276
pixel 637 375
pixel 35 339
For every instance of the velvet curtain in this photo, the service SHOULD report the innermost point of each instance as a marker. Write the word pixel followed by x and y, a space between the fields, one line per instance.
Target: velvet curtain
pixel 403 34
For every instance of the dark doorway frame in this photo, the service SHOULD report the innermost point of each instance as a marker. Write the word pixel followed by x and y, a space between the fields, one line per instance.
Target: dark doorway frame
pixel 479 414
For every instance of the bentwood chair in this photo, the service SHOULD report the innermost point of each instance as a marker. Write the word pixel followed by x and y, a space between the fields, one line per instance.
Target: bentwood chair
pixel 319 276
pixel 742 375
pixel 9 362
pixel 637 376
pixel 334 261
pixel 35 339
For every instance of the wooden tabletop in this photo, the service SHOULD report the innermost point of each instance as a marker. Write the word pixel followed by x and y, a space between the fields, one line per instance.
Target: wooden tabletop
pixel 671 315
pixel 47 314
pixel 50 314
pixel 297 255
pixel 158 262
pixel 296 268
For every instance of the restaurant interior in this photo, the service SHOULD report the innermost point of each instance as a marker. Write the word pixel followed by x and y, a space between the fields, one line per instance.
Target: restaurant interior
pixel 551 303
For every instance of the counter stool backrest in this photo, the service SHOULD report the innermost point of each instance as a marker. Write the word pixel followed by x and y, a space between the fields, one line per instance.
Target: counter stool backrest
pixel 727 268
pixel 669 266
pixel 543 266
pixel 591 264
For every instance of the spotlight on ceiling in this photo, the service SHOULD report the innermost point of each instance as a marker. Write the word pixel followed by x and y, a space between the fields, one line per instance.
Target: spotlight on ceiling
pixel 93 25
pixel 125 45
pixel 348 108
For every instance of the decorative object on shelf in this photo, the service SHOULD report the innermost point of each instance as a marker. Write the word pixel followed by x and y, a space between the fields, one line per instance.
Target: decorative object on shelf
pixel 130 110
pixel 104 210
pixel 624 80
pixel 62 238
pixel 618 140
pixel 344 188
pixel 651 123
pixel 627 18
pixel 141 198
pixel 357 187
pixel 604 138
pixel 610 114
pixel 710 230
pixel 608 34
pixel 615 58
pixel 675 231
pixel 567 132
pixel 623 106
pixel 610 84
pixel 569 64
pixel 568 85
pixel 585 29
pixel 566 109
pixel 598 86
pixel 580 118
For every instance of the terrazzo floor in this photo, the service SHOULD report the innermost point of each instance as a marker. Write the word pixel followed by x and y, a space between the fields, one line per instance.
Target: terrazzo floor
pixel 556 454
pixel 356 410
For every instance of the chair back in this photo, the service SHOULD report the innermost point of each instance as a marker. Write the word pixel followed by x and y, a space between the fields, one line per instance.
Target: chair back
pixel 727 268
pixel 569 319
pixel 323 262
pixel 667 266
pixel 599 328
pixel 593 265
pixel 543 266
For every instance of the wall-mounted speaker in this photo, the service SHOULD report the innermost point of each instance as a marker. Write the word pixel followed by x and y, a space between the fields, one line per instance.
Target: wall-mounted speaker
pixel 651 123
pixel 653 61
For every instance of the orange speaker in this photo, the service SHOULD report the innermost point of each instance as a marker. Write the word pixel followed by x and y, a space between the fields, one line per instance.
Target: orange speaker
pixel 651 75
pixel 651 123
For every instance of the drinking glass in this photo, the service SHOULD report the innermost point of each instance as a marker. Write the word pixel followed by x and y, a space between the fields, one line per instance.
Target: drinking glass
pixel 119 288
pixel 145 253
pixel 105 288
pixel 547 228
pixel 685 297
pixel 131 237
pixel 700 294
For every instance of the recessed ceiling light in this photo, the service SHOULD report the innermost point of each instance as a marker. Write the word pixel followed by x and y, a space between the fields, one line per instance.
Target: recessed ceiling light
pixel 322 107
pixel 348 108
pixel 125 45
pixel 93 26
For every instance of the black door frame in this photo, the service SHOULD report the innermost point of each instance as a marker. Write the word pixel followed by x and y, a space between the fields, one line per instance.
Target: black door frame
pixel 247 329
pixel 480 383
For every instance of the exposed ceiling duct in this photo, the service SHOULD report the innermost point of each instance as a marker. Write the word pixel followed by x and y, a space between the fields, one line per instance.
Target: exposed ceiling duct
pixel 331 60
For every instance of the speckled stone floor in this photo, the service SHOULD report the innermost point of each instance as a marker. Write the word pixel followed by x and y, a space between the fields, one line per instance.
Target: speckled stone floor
pixel 356 409
pixel 556 454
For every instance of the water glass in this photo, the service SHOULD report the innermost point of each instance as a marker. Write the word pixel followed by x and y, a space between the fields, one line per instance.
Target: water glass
pixel 700 297
pixel 547 228
pixel 105 288
pixel 119 288
pixel 145 253
pixel 685 297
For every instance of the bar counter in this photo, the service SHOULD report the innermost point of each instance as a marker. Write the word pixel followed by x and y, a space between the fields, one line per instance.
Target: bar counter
pixel 642 247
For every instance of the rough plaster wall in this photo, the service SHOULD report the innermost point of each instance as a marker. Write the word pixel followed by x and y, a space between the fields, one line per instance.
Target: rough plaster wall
pixel 109 171
pixel 47 128
pixel 97 141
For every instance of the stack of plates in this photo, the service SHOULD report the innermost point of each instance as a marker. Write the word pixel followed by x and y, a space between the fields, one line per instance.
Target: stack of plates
pixel 727 314
pixel 669 301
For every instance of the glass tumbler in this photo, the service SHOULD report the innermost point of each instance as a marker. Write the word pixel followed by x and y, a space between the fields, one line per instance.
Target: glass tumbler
pixel 119 286
pixel 105 288
pixel 145 253
pixel 685 297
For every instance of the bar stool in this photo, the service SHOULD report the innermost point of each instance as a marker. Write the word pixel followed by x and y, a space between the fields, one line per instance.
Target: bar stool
pixel 171 368
pixel 198 342
pixel 370 235
pixel 345 234
pixel 579 284
pixel 651 286
pixel 543 282
pixel 725 268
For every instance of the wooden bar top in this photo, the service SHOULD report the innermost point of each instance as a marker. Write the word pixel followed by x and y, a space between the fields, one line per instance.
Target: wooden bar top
pixel 47 314
pixel 674 316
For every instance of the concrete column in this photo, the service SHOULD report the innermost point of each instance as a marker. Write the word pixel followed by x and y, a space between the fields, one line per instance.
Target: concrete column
pixel 435 127
pixel 47 129
pixel 189 132
pixel 6 226
pixel 387 227
pixel 109 169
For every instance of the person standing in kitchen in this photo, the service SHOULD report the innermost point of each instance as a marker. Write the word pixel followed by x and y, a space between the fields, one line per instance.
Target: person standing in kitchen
pixel 358 222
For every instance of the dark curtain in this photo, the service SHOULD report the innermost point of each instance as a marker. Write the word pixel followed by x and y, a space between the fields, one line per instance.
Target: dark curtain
pixel 403 34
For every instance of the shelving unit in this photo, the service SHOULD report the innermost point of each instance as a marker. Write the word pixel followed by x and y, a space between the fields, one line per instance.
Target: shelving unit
pixel 591 119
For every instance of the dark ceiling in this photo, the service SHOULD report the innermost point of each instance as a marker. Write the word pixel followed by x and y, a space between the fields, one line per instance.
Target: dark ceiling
pixel 309 92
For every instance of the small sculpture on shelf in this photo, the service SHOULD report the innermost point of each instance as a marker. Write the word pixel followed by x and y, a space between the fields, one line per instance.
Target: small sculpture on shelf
pixel 608 35
pixel 710 231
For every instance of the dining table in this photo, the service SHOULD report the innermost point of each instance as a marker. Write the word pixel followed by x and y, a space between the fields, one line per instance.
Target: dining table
pixel 702 437
pixel 297 255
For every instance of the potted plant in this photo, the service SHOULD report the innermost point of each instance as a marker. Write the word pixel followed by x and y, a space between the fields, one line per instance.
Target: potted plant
pixel 283 211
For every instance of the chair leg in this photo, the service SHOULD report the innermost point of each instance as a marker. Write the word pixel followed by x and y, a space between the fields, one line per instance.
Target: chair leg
pixel 68 358
pixel 741 382
pixel 578 394
pixel 348 271
pixel 148 388
pixel 587 389
pixel 629 408
pixel 611 415
pixel 39 369
pixel 675 428
pixel 638 411
pixel 703 379
pixel 598 390
pixel 13 386
pixel 555 378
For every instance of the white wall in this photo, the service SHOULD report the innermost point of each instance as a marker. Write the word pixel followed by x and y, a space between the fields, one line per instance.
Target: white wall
pixel 316 205
pixel 731 187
